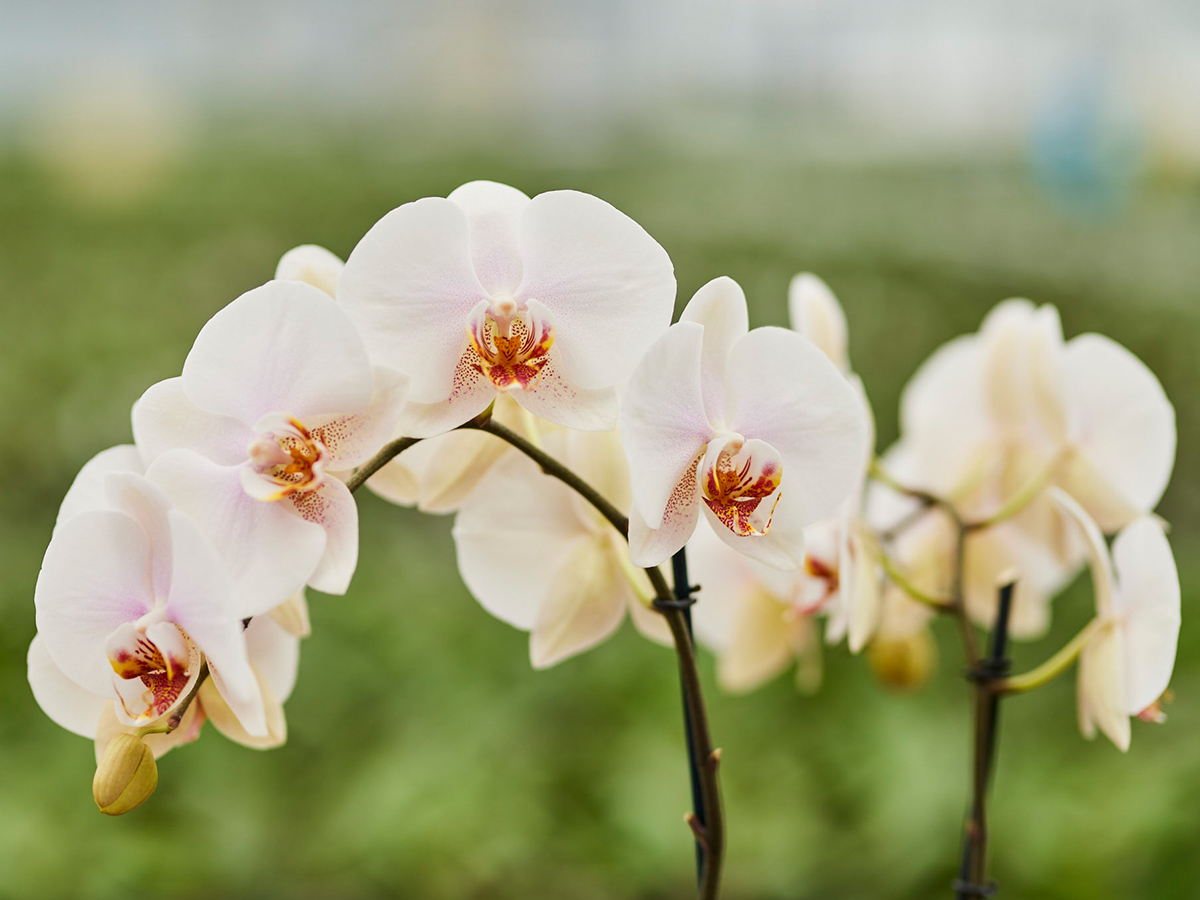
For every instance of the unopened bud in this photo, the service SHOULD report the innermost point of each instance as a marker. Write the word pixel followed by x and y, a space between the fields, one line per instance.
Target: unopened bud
pixel 902 663
pixel 126 776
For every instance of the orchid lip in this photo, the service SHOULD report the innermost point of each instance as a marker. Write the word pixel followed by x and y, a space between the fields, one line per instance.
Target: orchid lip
pixel 736 476
pixel 290 459
pixel 511 346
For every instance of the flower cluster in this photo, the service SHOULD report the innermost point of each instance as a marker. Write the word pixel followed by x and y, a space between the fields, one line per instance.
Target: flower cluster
pixel 173 589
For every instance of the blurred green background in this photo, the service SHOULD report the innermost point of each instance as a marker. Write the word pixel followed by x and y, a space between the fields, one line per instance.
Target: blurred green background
pixel 155 162
pixel 426 758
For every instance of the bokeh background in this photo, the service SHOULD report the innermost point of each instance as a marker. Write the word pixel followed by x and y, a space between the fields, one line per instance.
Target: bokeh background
pixel 928 159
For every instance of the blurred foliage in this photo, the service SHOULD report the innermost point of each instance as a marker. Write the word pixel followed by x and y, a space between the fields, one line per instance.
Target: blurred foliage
pixel 426 758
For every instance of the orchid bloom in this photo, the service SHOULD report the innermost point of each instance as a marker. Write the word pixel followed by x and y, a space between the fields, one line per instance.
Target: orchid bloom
pixel 814 312
pixel 553 300
pixel 130 601
pixel 757 428
pixel 756 618
pixel 538 556
pixel 277 398
pixel 992 414
pixel 1126 665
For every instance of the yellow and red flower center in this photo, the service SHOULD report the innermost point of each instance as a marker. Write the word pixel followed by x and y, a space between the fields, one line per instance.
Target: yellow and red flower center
pixel 511 350
pixel 292 457
pixel 155 666
pixel 735 483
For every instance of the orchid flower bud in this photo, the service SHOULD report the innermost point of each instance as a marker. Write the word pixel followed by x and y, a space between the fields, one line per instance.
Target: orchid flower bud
pixel 126 777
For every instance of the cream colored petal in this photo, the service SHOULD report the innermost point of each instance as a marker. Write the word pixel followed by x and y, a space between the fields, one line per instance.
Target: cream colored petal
pixel 761 643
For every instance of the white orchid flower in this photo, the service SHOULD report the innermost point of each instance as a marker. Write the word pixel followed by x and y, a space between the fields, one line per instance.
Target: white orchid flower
pixel 130 600
pixel 538 556
pixel 553 299
pixel 757 619
pixel 313 265
pixel 758 428
pixel 1126 665
pixel 277 398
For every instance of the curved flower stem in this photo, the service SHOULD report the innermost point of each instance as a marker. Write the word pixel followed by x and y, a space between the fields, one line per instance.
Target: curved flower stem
pixel 389 452
pixel 898 578
pixel 708 823
pixel 1021 498
pixel 1051 668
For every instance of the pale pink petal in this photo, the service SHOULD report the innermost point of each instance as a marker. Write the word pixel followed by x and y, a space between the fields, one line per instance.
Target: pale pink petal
pixel 65 702
pixel 720 306
pixel 135 496
pixel 1149 600
pixel 494 212
pixel 651 546
pixel 1123 430
pixel 513 534
pixel 283 347
pixel 468 393
pixel 815 313
pixel 202 604
pixel 332 507
pixel 164 419
pixel 87 491
pixel 609 284
pixel 585 604
pixel 95 576
pixel 556 399
pixel 409 285
pixel 268 551
pixel 787 393
pixel 663 422
pixel 313 265
pixel 355 438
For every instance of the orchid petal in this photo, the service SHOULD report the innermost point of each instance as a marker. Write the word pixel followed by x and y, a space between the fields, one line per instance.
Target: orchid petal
pixel 609 284
pixel 1100 695
pixel 95 577
pixel 720 306
pixel 663 422
pixel 512 534
pixel 494 213
pixel 274 653
pixel 1103 579
pixel 555 398
pixel 164 418
pixel 221 714
pixel 409 285
pixel 65 702
pixel 1149 599
pixel 651 546
pixel 469 394
pixel 815 313
pixel 87 491
pixel 332 507
pixel 787 393
pixel 759 648
pixel 1123 431
pixel 292 616
pixel 285 346
pixel 585 604
pixel 313 265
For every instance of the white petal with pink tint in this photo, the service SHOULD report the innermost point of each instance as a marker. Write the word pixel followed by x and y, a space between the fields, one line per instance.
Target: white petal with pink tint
pixel 494 213
pixel 720 306
pixel 610 285
pixel 283 347
pixel 65 702
pixel 332 507
pixel 409 285
pixel 94 578
pixel 88 490
pixel 815 313
pixel 165 418
pixel 786 392
pixel 268 551
pixel 355 438
pixel 664 425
